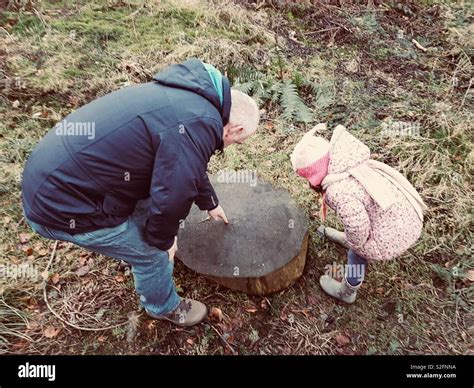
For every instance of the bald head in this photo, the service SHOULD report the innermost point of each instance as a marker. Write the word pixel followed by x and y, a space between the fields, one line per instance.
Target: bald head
pixel 243 118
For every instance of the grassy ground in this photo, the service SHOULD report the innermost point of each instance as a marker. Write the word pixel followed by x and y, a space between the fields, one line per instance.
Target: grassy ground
pixel 355 65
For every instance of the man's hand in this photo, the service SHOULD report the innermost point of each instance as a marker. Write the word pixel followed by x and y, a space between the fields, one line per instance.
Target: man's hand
pixel 172 251
pixel 218 214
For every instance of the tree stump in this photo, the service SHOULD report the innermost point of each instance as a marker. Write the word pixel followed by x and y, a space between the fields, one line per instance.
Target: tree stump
pixel 263 248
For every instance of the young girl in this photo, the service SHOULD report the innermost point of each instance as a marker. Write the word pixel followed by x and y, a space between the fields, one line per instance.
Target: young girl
pixel 381 212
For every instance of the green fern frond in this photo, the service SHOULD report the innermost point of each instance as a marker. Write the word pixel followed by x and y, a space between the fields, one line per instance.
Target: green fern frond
pixel 275 92
pixel 264 89
pixel 323 93
pixel 245 87
pixel 312 87
pixel 294 109
pixel 261 92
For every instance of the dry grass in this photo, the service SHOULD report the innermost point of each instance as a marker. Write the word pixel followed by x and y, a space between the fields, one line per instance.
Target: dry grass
pixel 58 56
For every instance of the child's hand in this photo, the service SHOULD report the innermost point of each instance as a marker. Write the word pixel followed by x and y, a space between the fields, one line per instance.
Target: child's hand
pixel 334 235
pixel 337 236
pixel 321 231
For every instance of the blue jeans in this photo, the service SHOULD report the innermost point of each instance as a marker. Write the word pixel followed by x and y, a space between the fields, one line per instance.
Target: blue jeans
pixel 356 267
pixel 151 268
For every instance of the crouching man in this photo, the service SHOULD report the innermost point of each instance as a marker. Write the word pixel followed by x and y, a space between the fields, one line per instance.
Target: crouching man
pixel 123 187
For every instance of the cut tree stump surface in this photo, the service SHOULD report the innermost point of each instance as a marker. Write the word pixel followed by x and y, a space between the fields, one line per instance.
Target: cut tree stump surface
pixel 263 248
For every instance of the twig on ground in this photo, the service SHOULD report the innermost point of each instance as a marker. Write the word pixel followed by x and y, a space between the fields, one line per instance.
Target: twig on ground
pixel 224 340
pixel 65 321
pixel 19 222
pixel 465 95
pixel 418 45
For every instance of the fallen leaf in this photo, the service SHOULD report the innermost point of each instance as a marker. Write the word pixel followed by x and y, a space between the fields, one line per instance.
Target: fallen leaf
pixel 119 278
pixel 12 20
pixel 379 290
pixel 25 237
pixel 43 252
pixel 251 310
pixel 82 270
pixel 15 260
pixel 20 344
pixel 40 249
pixel 217 314
pixel 55 278
pixel 28 251
pixel 229 338
pixel 342 340
pixel 51 332
pixel 190 341
pixel 31 303
pixel 102 338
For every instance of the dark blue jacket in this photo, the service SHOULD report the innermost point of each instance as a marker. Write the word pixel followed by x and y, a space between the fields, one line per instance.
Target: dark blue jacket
pixel 153 139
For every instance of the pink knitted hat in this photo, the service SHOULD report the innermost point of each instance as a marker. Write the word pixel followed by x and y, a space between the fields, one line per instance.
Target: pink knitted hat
pixel 316 172
pixel 310 158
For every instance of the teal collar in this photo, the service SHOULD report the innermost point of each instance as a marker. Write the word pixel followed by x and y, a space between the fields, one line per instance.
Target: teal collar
pixel 216 78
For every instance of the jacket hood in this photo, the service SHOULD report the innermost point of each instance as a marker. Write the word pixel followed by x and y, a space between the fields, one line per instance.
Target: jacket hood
pixel 345 151
pixel 193 76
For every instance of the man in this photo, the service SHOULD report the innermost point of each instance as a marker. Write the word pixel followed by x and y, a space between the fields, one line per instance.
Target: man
pixel 150 144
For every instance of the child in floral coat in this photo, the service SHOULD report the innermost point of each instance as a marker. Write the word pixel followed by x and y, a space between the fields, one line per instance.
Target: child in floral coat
pixel 381 212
